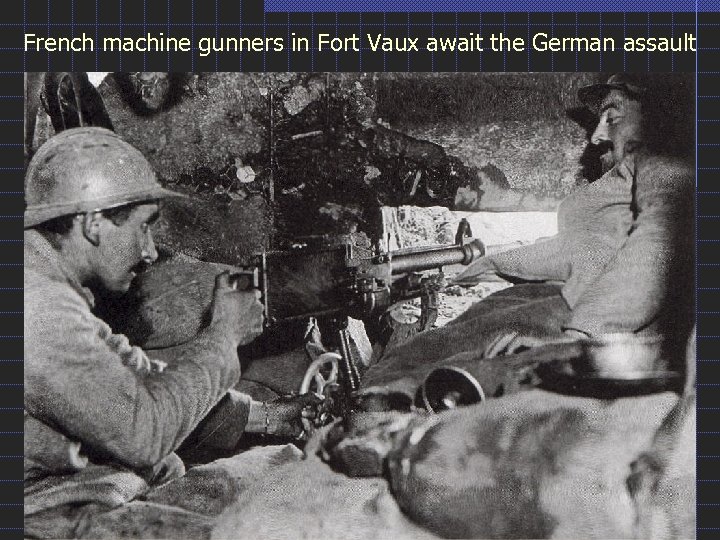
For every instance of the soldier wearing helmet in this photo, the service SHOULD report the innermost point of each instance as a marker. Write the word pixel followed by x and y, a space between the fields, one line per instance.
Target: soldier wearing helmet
pixel 621 262
pixel 102 416
pixel 624 253
pixel 90 192
pixel 622 236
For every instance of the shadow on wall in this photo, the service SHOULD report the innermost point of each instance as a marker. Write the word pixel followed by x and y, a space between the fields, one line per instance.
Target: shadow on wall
pixel 299 155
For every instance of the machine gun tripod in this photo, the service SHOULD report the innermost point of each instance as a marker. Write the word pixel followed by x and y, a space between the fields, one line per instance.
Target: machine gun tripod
pixel 350 280
pixel 334 376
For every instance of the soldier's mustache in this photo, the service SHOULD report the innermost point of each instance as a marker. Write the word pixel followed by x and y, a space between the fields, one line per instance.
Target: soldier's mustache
pixel 604 147
pixel 140 267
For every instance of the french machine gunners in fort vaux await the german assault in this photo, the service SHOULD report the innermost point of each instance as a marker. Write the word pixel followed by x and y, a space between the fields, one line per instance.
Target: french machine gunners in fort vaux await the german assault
pixel 359 305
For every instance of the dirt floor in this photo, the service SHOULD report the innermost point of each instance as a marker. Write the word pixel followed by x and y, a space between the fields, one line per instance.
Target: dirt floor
pixel 415 226
pixel 455 300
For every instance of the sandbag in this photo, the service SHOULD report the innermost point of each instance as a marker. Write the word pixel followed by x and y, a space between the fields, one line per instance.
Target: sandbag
pixel 308 500
pixel 532 465
pixel 530 310
pixel 167 305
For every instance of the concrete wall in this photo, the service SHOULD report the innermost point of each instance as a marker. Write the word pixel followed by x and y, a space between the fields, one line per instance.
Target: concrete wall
pixel 518 125
pixel 272 158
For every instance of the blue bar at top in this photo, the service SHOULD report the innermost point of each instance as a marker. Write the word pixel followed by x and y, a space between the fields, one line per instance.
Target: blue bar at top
pixel 490 5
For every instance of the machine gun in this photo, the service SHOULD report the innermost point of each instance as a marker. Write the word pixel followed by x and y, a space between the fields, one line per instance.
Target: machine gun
pixel 350 280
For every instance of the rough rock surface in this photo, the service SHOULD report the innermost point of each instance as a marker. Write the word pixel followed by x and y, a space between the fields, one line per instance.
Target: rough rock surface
pixel 319 153
pixel 417 226
pixel 308 500
pixel 539 159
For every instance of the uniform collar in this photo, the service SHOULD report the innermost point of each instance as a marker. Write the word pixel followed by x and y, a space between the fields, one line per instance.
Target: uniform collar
pixel 46 260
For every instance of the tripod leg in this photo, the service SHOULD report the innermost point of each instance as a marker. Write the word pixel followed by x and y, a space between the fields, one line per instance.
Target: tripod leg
pixel 350 380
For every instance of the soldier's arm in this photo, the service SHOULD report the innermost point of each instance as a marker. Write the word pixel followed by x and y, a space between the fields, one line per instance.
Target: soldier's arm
pixel 90 384
pixel 653 269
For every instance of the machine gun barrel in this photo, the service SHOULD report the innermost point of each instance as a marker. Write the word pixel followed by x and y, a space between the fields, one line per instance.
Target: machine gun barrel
pixel 341 279
pixel 417 261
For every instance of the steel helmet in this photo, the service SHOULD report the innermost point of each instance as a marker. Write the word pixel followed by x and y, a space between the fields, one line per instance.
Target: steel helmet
pixel 628 83
pixel 84 170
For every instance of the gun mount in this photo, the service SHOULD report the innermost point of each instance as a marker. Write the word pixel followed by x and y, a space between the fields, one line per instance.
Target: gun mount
pixel 351 280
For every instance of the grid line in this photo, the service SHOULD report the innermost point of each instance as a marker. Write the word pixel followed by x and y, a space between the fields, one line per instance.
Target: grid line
pixel 706 85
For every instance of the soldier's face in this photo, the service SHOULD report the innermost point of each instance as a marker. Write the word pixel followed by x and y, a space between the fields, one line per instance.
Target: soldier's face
pixel 620 125
pixel 126 248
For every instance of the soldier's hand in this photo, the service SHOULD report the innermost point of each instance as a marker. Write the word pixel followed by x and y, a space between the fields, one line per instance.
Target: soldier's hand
pixel 477 271
pixel 286 414
pixel 512 342
pixel 238 313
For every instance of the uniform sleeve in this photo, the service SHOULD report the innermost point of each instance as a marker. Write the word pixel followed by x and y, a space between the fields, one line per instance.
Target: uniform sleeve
pixel 546 260
pixel 653 269
pixel 80 378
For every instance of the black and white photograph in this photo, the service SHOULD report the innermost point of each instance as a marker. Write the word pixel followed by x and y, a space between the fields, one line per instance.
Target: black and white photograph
pixel 359 305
